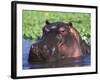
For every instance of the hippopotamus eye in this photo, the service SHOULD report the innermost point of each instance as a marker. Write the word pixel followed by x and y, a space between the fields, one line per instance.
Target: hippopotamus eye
pixel 62 31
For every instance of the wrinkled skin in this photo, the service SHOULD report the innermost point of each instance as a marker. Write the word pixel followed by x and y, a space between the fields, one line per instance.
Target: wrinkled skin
pixel 59 41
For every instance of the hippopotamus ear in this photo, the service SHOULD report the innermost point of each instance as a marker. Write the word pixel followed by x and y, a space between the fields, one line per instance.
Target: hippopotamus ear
pixel 47 22
pixel 70 24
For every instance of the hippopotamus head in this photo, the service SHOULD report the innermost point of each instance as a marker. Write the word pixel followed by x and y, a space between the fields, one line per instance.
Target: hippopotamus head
pixel 67 38
pixel 59 40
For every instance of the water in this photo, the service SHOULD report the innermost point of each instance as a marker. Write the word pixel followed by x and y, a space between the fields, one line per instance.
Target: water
pixel 26 47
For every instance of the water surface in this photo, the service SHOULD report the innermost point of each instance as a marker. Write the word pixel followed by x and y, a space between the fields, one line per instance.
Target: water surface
pixel 26 44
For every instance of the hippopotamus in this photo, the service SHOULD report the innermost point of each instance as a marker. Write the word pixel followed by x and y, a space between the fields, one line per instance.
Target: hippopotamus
pixel 60 41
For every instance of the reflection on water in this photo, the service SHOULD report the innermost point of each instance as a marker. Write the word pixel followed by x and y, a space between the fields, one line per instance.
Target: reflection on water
pixel 64 63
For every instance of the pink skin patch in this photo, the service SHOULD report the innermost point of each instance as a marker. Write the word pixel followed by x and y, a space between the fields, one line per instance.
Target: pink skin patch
pixel 72 51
